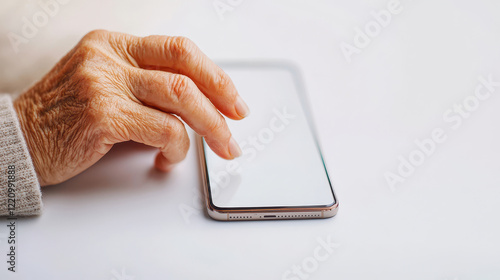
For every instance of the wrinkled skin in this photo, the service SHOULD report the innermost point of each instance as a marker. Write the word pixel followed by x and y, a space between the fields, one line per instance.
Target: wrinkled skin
pixel 114 87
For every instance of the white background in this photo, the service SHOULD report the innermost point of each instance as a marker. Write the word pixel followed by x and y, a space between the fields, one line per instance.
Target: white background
pixel 121 218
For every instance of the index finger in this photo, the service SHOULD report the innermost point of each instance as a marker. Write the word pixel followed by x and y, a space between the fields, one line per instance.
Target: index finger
pixel 184 57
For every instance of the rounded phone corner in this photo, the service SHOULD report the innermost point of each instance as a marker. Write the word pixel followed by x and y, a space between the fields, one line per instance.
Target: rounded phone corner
pixel 331 211
pixel 214 214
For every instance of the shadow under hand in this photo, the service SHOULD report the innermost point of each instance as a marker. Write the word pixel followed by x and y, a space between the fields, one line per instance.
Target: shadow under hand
pixel 126 167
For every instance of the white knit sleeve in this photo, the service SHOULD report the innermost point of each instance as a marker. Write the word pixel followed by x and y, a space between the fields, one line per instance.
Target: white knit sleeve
pixel 20 193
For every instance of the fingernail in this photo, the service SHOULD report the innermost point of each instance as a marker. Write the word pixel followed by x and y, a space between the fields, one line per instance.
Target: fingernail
pixel 234 148
pixel 241 107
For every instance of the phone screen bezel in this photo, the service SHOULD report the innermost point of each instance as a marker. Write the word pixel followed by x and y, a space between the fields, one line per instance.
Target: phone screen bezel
pixel 305 106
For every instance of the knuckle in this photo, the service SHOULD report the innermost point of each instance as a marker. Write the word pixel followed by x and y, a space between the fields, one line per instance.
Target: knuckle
pixel 154 38
pixel 144 43
pixel 94 73
pixel 223 82
pixel 96 34
pixel 93 44
pixel 85 49
pixel 181 47
pixel 181 89
pixel 100 107
pixel 217 126
pixel 176 130
pixel 169 128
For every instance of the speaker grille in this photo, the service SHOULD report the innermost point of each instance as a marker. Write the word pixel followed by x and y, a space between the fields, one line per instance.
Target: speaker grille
pixel 275 216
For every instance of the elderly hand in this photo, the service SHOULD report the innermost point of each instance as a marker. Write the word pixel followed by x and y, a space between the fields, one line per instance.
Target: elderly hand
pixel 115 87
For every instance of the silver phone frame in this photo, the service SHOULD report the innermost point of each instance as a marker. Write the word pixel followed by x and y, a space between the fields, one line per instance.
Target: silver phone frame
pixel 270 213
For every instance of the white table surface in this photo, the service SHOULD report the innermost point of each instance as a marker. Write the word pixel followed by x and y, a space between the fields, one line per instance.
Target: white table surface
pixel 122 220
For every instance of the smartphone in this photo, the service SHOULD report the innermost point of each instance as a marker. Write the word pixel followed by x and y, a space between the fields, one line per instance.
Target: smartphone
pixel 281 174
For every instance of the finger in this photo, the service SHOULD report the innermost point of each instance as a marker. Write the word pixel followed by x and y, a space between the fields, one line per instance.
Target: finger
pixel 177 94
pixel 184 57
pixel 153 128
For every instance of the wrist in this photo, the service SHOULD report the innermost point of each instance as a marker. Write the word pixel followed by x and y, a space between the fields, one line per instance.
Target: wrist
pixel 26 123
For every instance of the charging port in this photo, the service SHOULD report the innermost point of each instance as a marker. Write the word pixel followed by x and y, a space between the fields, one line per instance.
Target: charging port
pixel 269 216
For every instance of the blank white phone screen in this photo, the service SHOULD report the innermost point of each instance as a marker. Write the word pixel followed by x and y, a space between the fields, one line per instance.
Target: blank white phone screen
pixel 281 165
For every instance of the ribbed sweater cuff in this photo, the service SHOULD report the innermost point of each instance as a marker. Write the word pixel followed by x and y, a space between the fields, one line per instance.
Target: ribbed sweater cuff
pixel 20 193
